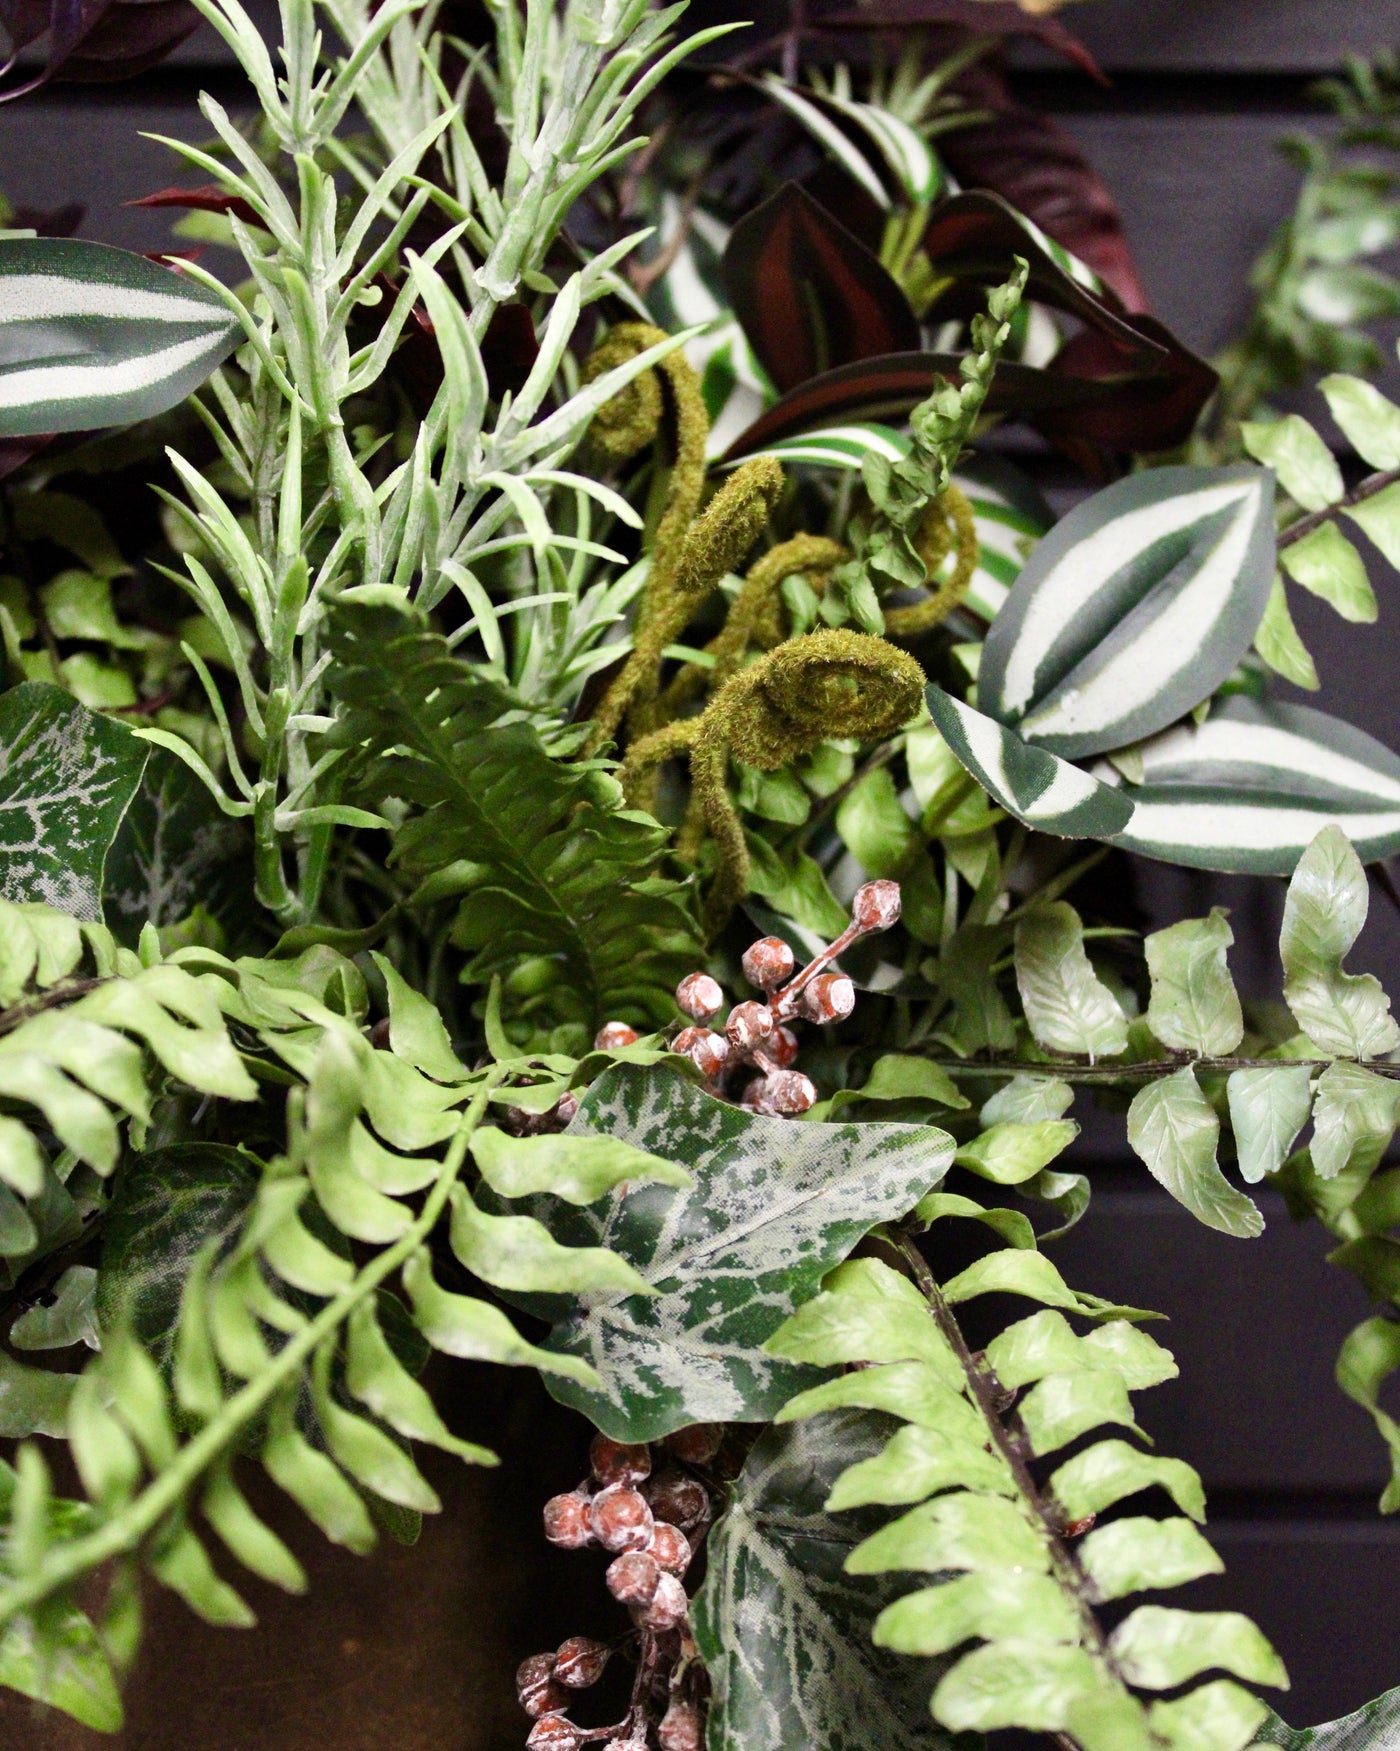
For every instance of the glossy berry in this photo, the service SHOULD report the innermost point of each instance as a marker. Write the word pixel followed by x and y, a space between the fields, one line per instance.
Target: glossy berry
pixel 704 1048
pixel 561 1113
pixel 633 1578
pixel 829 997
pixel 669 1549
pixel 668 1605
pixel 769 963
pixel 697 1444
pixel 876 905
pixel 615 1462
pixel 613 1034
pixel 677 1499
pixel 620 1519
pixel 566 1521
pixel 699 996
pixel 580 1661
pixel 782 1047
pixel 749 1025
pixel 679 1729
pixel 553 1733
pixel 535 1686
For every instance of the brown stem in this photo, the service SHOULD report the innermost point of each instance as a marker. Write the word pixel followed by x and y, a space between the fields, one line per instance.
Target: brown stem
pixel 1373 484
pixel 52 999
pixel 1069 1072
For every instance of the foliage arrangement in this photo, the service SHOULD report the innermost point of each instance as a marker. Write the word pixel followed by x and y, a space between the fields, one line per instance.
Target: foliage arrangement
pixel 566 829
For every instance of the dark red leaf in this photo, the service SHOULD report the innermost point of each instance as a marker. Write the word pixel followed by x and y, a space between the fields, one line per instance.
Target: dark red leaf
pixel 95 40
pixel 1033 164
pixel 1143 412
pixel 509 348
pixel 55 222
pixel 209 198
pixel 15 452
pixel 977 17
pixel 809 294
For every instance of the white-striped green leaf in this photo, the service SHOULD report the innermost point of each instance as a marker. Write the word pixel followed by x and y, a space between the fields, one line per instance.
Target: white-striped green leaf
pixel 911 160
pixel 1250 788
pixel 1037 787
pixel 94 336
pixel 831 135
pixel 1133 609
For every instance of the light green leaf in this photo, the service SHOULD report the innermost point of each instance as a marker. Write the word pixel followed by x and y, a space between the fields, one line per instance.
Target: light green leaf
pixel 1345 1015
pixel 1194 1006
pixel 462 1325
pixel 1062 1407
pixel 872 822
pixel 1306 469
pixel 417 1033
pixel 1015 1683
pixel 578 1167
pixel 1068 1007
pixel 1159 1647
pixel 1110 1470
pixel 928 1394
pixel 1279 646
pixel 1219 1716
pixel 1027 1099
pixel 1370 423
pixel 1138 1554
pixel 1355 1114
pixel 1012 1152
pixel 1172 1127
pixel 1014 1227
pixel 1268 1108
pixel 1379 518
pixel 1327 564
pixel 1138 1360
pixel 1132 610
pixel 1044 1344
pixel 865 1313
pixel 1368 1358
pixel 917 1463
pixel 516 1252
pixel 71 1318
pixel 899 1076
pixel 784 1630
pixel 62 1664
pixel 33 1401
pixel 1033 1275
pixel 994 1605
pixel 67 777
pixel 954 1532
pixel 773 1206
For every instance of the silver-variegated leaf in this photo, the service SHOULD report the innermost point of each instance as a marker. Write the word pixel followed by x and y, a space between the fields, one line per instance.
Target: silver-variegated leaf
pixel 1035 786
pixel 1133 609
pixel 772 1206
pixel 1250 789
pixel 93 336
pixel 1374 1727
pixel 784 1629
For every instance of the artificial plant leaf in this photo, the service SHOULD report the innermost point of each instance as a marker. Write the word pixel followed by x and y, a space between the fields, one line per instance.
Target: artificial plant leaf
pixel 901 1076
pixel 1278 645
pixel 1062 1407
pixel 1111 1470
pixel 1136 406
pixel 61 1661
pixel 1158 1647
pixel 990 1605
pixel 1354 1115
pixel 1370 422
pixel 1345 1015
pixel 70 1318
pixel 1069 1009
pixel 1327 564
pixel 772 1207
pixel 1016 1683
pixel 1194 1006
pixel 1379 518
pixel 1219 1716
pixel 957 1531
pixel 111 39
pixel 866 1312
pixel 176 850
pixel 1368 1358
pixel 1306 469
pixel 558 867
pixel 94 336
pixel 784 1629
pixel 1035 786
pixel 917 1463
pixel 1268 1108
pixel 1014 1151
pixel 809 294
pixel 1138 1554
pixel 1133 609
pixel 1172 1127
pixel 579 1168
pixel 1250 788
pixel 67 777
pixel 33 1401
pixel 1026 1099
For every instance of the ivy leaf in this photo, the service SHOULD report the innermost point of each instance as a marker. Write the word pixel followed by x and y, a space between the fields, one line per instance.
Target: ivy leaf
pixel 67 777
pixel 176 850
pixel 1067 1006
pixel 784 1630
pixel 1345 1015
pixel 1194 1006
pixel 772 1207
pixel 1173 1128
pixel 1268 1108
pixel 1371 1728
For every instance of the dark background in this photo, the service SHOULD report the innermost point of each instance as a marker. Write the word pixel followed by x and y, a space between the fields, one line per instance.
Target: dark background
pixel 414 1648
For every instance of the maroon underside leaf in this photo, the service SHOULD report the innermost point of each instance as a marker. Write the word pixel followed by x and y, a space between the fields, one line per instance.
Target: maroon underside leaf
pixel 93 41
pixel 15 452
pixel 209 198
pixel 1150 411
pixel 976 17
pixel 809 294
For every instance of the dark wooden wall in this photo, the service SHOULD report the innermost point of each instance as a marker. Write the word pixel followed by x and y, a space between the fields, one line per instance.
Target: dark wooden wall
pixel 414 1648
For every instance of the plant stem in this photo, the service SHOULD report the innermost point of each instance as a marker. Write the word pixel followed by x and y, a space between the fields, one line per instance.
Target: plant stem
pixel 1109 1073
pixel 1368 489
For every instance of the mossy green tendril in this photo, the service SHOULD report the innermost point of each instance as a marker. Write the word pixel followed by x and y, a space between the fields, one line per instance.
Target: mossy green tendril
pixel 827 684
pixel 948 525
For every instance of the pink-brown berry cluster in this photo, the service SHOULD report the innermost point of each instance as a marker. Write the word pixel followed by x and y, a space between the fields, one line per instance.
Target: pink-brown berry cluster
pixel 650 1522
pixel 751 1058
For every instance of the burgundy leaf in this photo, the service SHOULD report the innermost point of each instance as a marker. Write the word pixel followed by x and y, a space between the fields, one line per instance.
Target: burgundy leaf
pixel 53 222
pixel 1142 412
pixel 95 40
pixel 15 452
pixel 809 294
pixel 209 198
pixel 977 17
pixel 1034 164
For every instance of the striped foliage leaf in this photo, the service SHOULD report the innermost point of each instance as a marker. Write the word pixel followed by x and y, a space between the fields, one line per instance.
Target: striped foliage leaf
pixel 1035 786
pixel 906 169
pixel 1133 609
pixel 67 777
pixel 1250 788
pixel 93 336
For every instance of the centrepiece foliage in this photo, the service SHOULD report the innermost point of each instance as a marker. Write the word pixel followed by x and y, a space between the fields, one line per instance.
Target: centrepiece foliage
pixel 521 640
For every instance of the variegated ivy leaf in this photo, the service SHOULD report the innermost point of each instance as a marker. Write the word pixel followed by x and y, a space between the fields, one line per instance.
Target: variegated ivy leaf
pixel 1345 1015
pixel 1173 1128
pixel 95 336
pixel 1133 609
pixel 1194 1005
pixel 1249 789
pixel 1037 787
pixel 1069 1009
pixel 771 1208
pixel 1376 1727
pixel 784 1630
pixel 67 777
